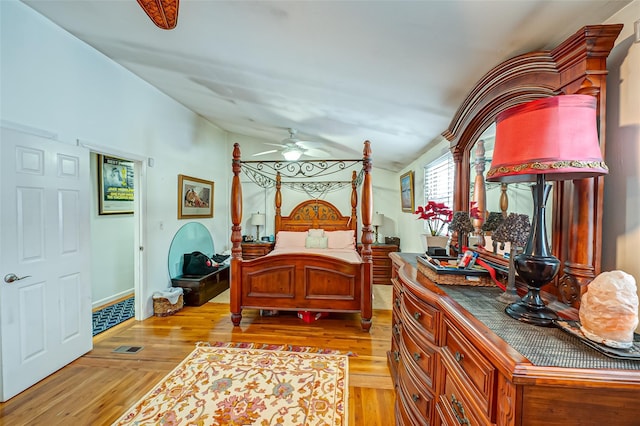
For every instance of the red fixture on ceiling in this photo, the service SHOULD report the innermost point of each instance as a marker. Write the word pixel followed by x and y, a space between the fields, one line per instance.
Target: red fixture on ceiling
pixel 163 13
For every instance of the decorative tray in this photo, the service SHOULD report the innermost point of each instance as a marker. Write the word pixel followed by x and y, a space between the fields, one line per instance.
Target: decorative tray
pixel 573 328
pixel 452 275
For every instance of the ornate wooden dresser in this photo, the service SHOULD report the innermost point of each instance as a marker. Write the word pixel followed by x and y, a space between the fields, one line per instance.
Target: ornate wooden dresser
pixel 457 359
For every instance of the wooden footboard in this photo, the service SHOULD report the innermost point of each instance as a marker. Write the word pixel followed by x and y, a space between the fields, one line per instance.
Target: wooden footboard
pixel 301 282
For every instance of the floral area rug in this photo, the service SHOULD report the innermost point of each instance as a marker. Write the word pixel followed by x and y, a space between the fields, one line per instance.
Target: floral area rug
pixel 239 384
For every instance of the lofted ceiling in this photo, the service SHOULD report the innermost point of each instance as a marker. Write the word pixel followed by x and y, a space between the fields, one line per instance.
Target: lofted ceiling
pixel 339 72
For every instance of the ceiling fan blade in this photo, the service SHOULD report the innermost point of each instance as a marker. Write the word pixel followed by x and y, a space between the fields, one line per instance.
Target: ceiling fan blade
pixel 309 144
pixel 265 152
pixel 315 152
pixel 279 145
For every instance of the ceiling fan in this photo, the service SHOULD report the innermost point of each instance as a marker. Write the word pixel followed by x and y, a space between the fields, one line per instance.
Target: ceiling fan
pixel 293 148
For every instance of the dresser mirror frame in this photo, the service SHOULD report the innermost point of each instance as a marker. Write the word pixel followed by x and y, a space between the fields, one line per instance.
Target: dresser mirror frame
pixel 576 66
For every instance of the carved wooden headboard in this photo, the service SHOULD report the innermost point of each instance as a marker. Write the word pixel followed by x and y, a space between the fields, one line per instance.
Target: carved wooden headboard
pixel 315 214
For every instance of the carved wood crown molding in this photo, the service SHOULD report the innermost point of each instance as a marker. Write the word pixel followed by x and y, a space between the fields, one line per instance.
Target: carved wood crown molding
pixel 163 13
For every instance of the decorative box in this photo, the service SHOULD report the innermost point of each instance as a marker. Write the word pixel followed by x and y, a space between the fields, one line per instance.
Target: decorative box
pixel 451 275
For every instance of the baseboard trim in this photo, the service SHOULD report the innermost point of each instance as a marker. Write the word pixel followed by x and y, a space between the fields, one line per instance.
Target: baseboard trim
pixel 99 304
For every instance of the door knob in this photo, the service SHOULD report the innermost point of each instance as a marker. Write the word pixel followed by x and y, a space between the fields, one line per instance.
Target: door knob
pixel 9 278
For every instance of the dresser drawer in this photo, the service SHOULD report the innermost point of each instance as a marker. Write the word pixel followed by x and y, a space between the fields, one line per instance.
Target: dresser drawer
pixel 395 353
pixel 474 369
pixel 417 401
pixel 397 296
pixel 382 265
pixel 253 250
pixel 423 315
pixel 403 415
pixel 454 407
pixel 418 357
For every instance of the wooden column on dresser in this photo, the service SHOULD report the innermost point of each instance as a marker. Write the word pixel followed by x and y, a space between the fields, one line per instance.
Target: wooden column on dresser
pixel 457 358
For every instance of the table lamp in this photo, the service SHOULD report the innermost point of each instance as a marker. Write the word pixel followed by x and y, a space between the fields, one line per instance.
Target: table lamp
pixel 554 138
pixel 378 220
pixel 258 219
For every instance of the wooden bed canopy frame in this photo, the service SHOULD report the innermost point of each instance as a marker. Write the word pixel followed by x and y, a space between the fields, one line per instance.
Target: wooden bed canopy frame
pixel 304 281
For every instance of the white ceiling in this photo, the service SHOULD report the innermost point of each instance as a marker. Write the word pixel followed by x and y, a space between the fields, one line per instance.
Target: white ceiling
pixel 341 72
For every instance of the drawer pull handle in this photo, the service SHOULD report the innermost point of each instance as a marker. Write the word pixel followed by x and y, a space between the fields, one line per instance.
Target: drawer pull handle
pixel 396 356
pixel 417 315
pixel 459 357
pixel 415 397
pixel 458 411
pixel 397 302
pixel 396 329
pixel 417 356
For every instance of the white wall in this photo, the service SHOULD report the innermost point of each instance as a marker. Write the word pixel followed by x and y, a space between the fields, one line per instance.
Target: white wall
pixel 54 82
pixel 410 229
pixel 621 219
pixel 112 249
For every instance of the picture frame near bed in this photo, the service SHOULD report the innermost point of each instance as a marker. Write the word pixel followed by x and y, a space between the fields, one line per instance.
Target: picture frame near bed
pixel 406 192
pixel 115 185
pixel 195 197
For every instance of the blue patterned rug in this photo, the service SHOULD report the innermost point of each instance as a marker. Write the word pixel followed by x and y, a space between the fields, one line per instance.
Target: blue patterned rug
pixel 112 315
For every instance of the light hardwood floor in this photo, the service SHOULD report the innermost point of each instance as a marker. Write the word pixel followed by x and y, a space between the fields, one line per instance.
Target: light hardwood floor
pixel 98 387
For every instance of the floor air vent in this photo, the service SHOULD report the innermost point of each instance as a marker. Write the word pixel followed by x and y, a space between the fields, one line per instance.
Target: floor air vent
pixel 128 349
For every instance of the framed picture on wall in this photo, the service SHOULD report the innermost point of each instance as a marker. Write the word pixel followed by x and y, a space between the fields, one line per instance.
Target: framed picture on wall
pixel 195 197
pixel 406 192
pixel 115 185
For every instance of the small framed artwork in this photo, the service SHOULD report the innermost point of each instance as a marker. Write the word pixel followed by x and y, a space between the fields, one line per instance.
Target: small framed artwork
pixel 115 185
pixel 406 192
pixel 195 197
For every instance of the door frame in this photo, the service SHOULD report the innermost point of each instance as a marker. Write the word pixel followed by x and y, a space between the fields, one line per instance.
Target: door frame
pixel 139 239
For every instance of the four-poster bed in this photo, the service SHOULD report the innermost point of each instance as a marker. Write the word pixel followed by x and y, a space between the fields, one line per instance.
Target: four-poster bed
pixel 299 278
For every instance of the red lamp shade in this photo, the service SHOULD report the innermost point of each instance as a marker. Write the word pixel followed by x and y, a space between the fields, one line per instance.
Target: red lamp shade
pixel 555 136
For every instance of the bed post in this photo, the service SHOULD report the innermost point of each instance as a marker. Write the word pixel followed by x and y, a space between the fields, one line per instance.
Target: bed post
pixel 353 223
pixel 367 238
pixel 278 221
pixel 236 236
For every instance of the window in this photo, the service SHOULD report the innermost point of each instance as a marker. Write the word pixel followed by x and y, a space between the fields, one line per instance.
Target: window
pixel 438 180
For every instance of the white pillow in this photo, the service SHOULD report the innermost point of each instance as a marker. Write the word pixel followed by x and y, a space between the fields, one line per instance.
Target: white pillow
pixel 316 242
pixel 341 239
pixel 290 239
pixel 316 232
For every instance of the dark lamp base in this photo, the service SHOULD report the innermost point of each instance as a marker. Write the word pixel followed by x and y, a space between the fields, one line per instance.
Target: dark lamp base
pixel 538 315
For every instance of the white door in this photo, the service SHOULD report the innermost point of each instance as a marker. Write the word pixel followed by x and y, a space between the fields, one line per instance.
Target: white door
pixel 45 289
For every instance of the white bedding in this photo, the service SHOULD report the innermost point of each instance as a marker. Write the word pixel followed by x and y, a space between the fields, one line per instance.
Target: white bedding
pixel 347 255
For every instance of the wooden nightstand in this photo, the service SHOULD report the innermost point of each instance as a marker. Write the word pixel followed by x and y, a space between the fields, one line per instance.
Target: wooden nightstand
pixel 381 262
pixel 256 249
